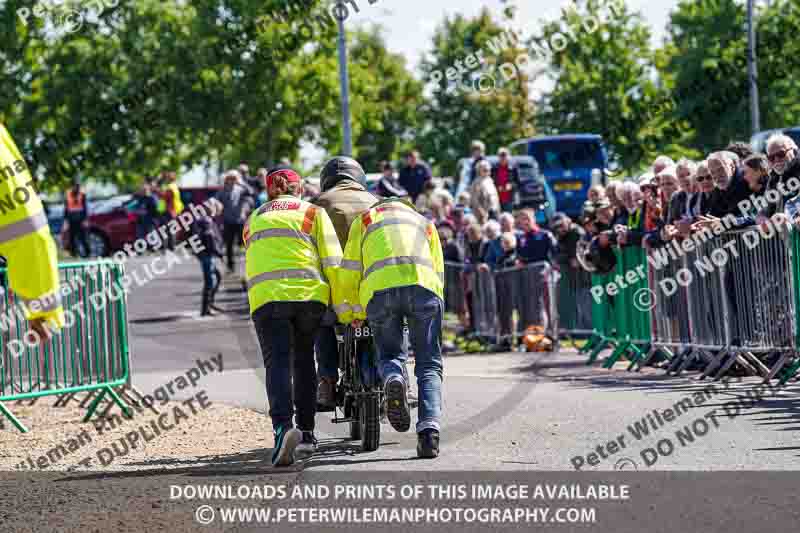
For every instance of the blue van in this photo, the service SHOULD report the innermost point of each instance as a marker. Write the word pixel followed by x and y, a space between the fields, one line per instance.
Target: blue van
pixel 571 165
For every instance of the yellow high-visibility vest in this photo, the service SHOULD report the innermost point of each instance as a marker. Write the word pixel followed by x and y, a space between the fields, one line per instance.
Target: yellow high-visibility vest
pixel 176 198
pixel 25 239
pixel 161 205
pixel 389 246
pixel 293 254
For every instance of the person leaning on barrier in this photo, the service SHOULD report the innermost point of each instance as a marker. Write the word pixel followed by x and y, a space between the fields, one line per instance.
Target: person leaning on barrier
pixel 784 160
pixel 494 247
pixel 292 264
pixel 393 270
pixel 536 244
pixel 681 201
pixel 756 175
pixel 599 255
pixel 26 244
pixel 726 170
pixel 569 235
pixel 344 197
pixel 504 290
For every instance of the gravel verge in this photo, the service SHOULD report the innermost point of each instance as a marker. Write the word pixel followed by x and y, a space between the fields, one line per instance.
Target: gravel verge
pixel 170 435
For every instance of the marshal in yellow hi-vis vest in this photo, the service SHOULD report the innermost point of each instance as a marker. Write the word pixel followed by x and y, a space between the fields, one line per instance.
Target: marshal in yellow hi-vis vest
pixel 293 254
pixel 25 239
pixel 389 246
pixel 177 203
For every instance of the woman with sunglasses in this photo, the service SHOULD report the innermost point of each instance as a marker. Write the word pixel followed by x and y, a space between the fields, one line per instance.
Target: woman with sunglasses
pixel 705 186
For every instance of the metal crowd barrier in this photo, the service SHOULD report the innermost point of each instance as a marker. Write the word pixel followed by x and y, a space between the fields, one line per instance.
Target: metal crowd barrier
pixel 454 293
pixel 575 302
pixel 529 292
pixel 89 354
pixel 732 299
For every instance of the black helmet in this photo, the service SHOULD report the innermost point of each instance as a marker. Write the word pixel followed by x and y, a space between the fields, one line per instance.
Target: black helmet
pixel 341 168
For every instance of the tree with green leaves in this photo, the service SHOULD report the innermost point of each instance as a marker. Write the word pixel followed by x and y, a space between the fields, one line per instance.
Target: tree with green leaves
pixel 704 66
pixel 490 102
pixel 600 66
pixel 151 85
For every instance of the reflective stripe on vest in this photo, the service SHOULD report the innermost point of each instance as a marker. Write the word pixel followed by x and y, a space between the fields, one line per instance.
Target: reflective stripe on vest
pixel 332 261
pixel 351 264
pixel 308 226
pixel 23 227
pixel 401 260
pixel 418 224
pixel 289 273
pixel 303 234
pixel 279 232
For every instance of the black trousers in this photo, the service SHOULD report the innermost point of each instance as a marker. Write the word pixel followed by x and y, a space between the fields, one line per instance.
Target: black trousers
pixel 232 233
pixel 78 237
pixel 286 332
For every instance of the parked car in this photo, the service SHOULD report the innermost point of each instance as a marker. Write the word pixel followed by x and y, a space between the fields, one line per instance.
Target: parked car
pixel 112 225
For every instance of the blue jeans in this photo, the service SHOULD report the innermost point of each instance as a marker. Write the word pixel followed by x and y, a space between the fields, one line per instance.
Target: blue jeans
pixel 423 310
pixel 211 275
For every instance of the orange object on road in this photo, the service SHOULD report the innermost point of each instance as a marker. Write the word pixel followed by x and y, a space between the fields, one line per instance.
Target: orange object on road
pixel 536 341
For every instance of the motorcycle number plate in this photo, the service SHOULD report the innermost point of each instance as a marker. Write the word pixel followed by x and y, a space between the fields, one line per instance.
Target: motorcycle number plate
pixel 363 332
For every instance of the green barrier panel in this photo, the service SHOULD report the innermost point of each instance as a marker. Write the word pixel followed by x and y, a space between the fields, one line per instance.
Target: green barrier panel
pixel 620 320
pixel 89 354
pixel 603 319
pixel 787 373
pixel 632 320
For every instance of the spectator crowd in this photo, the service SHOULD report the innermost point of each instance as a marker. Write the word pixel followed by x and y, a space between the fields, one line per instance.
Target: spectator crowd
pixel 733 188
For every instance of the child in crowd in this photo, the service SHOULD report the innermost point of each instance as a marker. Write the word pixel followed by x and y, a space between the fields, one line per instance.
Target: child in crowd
pixel 210 237
pixel 509 259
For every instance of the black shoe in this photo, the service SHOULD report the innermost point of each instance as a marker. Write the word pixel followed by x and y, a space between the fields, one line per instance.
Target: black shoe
pixel 397 405
pixel 326 395
pixel 307 446
pixel 428 444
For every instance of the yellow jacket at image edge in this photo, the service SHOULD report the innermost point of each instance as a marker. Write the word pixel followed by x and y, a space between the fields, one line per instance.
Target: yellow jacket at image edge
pixel 25 239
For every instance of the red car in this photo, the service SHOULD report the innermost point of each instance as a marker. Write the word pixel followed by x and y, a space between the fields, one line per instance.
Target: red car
pixel 112 224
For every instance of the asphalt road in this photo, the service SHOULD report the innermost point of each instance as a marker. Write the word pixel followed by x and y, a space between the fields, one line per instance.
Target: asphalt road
pixel 511 411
